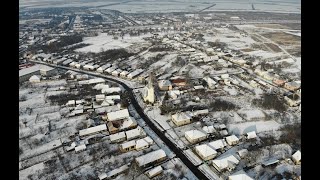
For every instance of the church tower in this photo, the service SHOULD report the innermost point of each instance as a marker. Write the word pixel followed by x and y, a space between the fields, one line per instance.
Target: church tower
pixel 149 91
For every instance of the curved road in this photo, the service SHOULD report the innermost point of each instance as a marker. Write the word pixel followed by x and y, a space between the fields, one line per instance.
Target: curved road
pixel 141 113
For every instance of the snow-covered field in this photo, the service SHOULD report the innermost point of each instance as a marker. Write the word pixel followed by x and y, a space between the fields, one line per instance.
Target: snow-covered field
pixel 106 42
pixel 258 126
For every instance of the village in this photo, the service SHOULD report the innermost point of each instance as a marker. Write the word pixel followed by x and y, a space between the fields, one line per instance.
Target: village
pixel 110 95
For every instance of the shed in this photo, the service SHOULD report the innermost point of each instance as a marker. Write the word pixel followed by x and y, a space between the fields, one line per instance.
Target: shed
pixel 34 79
pixel 194 136
pixel 155 171
pixel 117 115
pixel 232 140
pixel 205 152
pixel 296 157
pixel 251 135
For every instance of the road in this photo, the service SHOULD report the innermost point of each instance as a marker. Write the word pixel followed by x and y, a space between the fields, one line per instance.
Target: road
pixel 141 113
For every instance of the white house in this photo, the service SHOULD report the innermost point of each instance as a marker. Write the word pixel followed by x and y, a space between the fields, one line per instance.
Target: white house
pixel 149 158
pixel 100 97
pixel 117 115
pixel 34 79
pixel 92 130
pixel 232 140
pixel 111 90
pixel 218 144
pixel 296 157
pixel 205 152
pixel 155 171
pixel 194 136
pixel 251 135
pixel 118 137
pixel 127 146
pixel 242 153
pixel 80 148
pixel 228 162
pixel 181 118
pixel 210 82
pixel 208 129
pixel 135 133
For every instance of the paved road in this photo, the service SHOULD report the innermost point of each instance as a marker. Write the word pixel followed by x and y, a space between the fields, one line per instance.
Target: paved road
pixel 141 113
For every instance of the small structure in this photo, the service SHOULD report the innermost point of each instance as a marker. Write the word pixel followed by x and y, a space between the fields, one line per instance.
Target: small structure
pixel 243 153
pixel 232 140
pixel 116 172
pixel 150 158
pixel 218 144
pixel 296 157
pixel 181 119
pixel 205 152
pixel 34 79
pixel 251 135
pixel 270 162
pixel 292 86
pixel 228 162
pixel 165 85
pixel 201 112
pixel 118 137
pixel 174 94
pixel 93 130
pixel 240 175
pixel 100 97
pixel 143 143
pixel 148 91
pixel 208 129
pixel 155 172
pixel 210 82
pixel 194 136
pixel 135 133
pixel 80 148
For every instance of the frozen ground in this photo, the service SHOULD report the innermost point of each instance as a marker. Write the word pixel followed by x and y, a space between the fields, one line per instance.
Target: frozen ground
pixel 106 42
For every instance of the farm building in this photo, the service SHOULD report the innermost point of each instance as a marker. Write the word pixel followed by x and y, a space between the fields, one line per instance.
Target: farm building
pixel 205 152
pixel 232 140
pixel 228 162
pixel 118 137
pixel 155 171
pixel 92 130
pixel 150 158
pixel 194 136
pixel 181 119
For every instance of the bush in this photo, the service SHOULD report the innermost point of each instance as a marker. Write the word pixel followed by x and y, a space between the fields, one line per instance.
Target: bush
pixel 270 101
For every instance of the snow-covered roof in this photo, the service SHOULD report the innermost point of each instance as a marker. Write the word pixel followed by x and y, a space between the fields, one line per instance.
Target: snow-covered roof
pixel 297 156
pixel 205 150
pixel 113 97
pixel 150 157
pixel 200 112
pixel 209 81
pixel 148 140
pixel 208 129
pixel 218 144
pixel 130 121
pixel 164 83
pixel 114 137
pixel 194 134
pixel 223 162
pixel 80 148
pixel 141 143
pixel 91 130
pixel 102 176
pixel 251 135
pixel 270 162
pixel 198 87
pixel 135 73
pixel 225 76
pixel 128 144
pixel 155 171
pixel 96 80
pixel 117 171
pixel 242 152
pixel 100 86
pixel 100 96
pixel 29 70
pixel 110 90
pixel 133 133
pixel 232 138
pixel 240 175
pixel 117 115
pixel 180 116
pixel 34 77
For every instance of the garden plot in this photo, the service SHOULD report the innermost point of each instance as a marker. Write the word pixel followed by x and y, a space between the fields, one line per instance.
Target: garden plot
pixel 105 42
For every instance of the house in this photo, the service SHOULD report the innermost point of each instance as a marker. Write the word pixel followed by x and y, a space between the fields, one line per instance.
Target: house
pixel 227 162
pixel 47 71
pixel 251 135
pixel 127 146
pixel 150 158
pixel 118 137
pixel 240 175
pixel 92 130
pixel 242 153
pixel 26 73
pixel 253 84
pixel 232 140
pixel 165 85
pixel 102 68
pixel 135 133
pixel 180 119
pixel 111 90
pixel 143 143
pixel 123 74
pixel 114 173
pixel 208 129
pixel 80 148
pixel 174 94
pixel 134 73
pixel 278 82
pixel 270 162
pixel 205 152
pixel 178 81
pixel 116 72
pixel 155 172
pixel 200 112
pixel 34 79
pixel 292 86
pixel 290 102
pixel 210 82
pixel 117 115
pixel 100 97
pixel 224 132
pixel 224 76
pixel 110 70
pixel 296 157
pixel 194 136
pixel 196 88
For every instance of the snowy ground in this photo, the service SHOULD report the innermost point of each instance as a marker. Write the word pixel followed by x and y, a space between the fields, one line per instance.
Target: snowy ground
pixel 105 42
pixel 258 126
